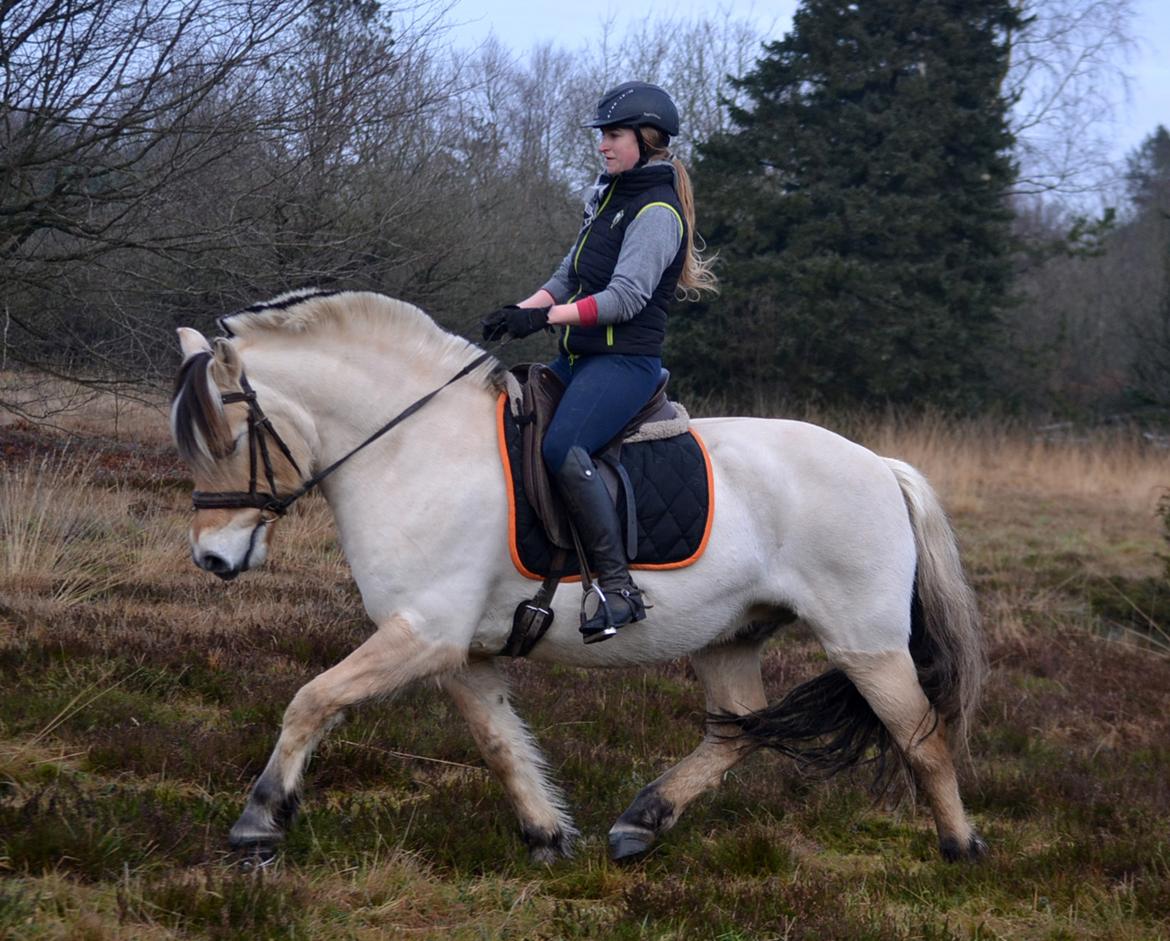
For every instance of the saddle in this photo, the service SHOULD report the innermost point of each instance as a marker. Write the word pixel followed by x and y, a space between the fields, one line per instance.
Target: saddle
pixel 541 390
pixel 657 472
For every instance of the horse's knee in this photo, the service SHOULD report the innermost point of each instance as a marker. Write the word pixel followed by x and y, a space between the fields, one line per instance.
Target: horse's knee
pixel 309 710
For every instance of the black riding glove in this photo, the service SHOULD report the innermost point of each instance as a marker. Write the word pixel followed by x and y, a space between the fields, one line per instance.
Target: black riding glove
pixel 524 321
pixel 517 321
pixel 493 325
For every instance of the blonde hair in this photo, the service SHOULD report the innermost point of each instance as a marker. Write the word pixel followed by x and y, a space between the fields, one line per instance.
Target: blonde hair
pixel 697 275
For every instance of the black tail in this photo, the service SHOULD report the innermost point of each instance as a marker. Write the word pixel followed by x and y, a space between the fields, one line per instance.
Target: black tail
pixel 827 726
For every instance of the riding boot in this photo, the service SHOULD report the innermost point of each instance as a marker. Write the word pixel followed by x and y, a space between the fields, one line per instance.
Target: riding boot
pixel 596 520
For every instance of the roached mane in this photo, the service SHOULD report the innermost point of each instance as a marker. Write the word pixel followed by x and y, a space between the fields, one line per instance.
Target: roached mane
pixel 200 428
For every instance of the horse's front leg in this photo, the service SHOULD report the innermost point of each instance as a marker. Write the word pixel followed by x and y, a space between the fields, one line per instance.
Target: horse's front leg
pixel 392 657
pixel 481 695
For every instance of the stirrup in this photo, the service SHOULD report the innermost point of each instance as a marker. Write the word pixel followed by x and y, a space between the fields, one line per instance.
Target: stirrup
pixel 595 635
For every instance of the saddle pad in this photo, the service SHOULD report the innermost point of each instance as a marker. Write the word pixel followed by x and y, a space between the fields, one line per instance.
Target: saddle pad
pixel 672 489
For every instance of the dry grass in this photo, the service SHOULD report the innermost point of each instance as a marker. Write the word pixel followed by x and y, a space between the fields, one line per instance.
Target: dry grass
pixel 973 461
pixel 138 698
pixel 109 412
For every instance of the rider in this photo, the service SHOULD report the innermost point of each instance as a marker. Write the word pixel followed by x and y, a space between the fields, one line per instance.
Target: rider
pixel 609 296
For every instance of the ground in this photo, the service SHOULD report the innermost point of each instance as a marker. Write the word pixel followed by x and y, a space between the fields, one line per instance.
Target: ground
pixel 139 697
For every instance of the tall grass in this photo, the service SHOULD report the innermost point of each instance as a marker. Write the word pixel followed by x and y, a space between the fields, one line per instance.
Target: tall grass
pixel 67 539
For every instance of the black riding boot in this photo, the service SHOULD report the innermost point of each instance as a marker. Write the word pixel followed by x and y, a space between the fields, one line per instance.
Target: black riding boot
pixel 596 519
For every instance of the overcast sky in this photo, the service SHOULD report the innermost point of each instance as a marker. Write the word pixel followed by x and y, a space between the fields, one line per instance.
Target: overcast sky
pixel 522 24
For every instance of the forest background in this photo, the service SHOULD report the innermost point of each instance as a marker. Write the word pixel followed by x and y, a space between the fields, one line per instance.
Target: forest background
pixel 911 203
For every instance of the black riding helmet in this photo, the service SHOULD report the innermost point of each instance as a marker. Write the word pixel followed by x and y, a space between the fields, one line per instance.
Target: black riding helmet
pixel 637 104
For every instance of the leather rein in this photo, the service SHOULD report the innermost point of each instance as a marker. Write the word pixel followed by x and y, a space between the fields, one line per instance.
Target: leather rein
pixel 260 429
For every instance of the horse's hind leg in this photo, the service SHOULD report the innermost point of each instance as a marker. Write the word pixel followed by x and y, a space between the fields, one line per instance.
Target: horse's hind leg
pixel 481 695
pixel 730 674
pixel 392 657
pixel 889 683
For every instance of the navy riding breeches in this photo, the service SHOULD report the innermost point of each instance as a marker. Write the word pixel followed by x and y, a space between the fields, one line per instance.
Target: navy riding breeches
pixel 602 393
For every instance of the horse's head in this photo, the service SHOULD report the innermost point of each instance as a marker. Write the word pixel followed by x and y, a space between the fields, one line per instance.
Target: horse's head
pixel 240 464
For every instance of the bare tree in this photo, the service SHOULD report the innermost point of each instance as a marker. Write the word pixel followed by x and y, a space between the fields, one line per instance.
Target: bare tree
pixel 105 103
pixel 1067 77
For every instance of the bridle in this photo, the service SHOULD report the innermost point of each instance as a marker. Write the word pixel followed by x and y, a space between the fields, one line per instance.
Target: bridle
pixel 260 428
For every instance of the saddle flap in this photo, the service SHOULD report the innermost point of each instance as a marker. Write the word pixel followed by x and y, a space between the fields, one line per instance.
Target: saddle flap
pixel 541 393
pixel 542 390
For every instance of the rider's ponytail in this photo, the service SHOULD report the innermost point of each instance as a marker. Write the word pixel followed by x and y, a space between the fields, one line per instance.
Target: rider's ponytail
pixel 696 276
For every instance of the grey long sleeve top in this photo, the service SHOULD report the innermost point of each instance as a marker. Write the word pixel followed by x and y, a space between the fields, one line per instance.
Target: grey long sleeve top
pixel 649 245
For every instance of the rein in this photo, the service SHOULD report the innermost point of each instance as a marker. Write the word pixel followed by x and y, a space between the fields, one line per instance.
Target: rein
pixel 258 423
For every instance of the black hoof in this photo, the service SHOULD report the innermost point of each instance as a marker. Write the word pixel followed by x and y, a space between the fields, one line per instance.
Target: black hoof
pixel 955 852
pixel 629 844
pixel 255 856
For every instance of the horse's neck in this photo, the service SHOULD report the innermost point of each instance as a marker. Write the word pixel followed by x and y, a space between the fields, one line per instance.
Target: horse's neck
pixel 347 392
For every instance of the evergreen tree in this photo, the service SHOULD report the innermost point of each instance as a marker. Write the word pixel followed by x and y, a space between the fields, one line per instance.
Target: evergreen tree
pixel 859 208
pixel 1148 174
pixel 1147 238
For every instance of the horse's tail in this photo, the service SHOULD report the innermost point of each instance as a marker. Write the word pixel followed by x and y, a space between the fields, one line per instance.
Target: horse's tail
pixel 827 724
pixel 946 640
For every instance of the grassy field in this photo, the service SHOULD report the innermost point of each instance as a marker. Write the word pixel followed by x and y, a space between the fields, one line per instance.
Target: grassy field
pixel 139 697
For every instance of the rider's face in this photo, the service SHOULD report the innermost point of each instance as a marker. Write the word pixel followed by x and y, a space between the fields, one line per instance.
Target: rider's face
pixel 619 147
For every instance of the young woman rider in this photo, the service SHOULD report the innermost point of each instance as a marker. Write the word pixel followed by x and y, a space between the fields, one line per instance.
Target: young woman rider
pixel 609 297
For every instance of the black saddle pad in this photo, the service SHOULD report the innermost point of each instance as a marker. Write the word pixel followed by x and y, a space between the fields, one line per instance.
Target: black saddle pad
pixel 672 493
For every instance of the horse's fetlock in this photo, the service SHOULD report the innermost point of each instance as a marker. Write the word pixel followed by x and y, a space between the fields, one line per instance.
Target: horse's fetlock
pixel 545 844
pixel 955 849
pixel 650 811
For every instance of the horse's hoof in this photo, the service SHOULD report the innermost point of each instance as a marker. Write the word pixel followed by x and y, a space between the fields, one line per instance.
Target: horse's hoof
pixel 254 857
pixel 954 852
pixel 544 855
pixel 629 843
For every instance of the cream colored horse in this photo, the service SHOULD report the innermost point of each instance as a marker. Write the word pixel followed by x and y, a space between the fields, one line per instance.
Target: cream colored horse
pixel 807 525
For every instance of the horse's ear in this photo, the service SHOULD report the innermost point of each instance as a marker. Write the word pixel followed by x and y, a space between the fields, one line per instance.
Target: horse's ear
pixel 226 367
pixel 192 342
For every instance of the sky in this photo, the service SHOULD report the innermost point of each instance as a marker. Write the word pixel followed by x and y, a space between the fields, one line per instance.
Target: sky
pixel 522 24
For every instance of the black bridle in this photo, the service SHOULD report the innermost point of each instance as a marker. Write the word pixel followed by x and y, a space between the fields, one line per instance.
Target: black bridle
pixel 260 428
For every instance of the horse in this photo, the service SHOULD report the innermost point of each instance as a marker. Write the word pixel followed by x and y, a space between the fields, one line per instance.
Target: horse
pixel 807 526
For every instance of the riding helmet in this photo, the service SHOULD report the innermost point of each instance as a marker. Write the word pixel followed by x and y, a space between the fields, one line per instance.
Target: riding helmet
pixel 637 104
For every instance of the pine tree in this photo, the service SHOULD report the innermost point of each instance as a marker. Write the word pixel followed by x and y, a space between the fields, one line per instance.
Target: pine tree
pixel 1148 179
pixel 860 210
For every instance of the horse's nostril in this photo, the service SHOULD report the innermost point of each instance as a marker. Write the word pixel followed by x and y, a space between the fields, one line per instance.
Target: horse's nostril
pixel 217 565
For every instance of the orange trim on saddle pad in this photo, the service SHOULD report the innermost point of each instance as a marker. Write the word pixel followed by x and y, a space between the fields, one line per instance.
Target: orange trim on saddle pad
pixel 513 549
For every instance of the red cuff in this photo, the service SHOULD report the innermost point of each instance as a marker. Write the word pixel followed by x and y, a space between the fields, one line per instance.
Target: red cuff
pixel 587 311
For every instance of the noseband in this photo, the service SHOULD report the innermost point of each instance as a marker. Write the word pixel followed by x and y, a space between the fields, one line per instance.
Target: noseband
pixel 269 504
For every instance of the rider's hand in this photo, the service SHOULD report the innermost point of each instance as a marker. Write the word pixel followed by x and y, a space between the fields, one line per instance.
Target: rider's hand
pixel 524 321
pixel 493 325
pixel 517 321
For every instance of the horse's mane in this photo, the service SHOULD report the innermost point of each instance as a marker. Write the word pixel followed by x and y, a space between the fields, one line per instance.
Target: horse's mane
pixel 362 315
pixel 197 420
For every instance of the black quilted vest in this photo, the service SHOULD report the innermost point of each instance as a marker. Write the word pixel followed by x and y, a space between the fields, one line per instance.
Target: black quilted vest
pixel 595 254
